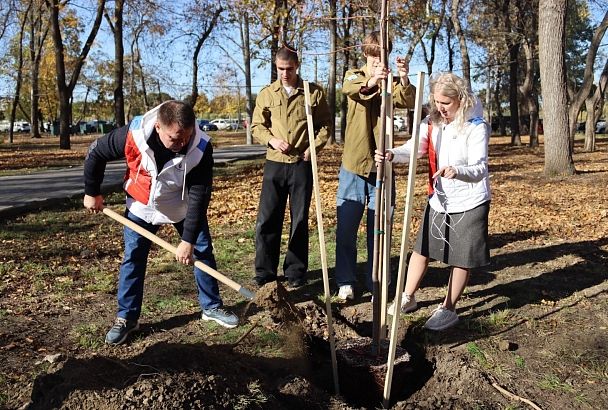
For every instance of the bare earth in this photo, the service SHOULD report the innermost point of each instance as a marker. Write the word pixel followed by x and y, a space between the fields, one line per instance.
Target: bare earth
pixel 533 329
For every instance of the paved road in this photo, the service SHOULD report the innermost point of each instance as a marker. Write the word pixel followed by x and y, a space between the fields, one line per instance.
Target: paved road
pixel 20 193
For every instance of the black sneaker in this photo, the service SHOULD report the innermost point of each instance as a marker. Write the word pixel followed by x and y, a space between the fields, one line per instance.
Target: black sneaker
pixel 262 280
pixel 296 283
pixel 120 330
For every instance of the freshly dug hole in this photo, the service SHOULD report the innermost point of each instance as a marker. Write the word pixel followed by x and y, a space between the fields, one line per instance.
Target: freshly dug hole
pixel 361 374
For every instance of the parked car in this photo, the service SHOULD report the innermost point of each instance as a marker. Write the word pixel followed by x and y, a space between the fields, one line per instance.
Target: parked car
pixel 79 127
pixel 399 123
pixel 222 124
pixel 22 126
pixel 18 126
pixel 235 124
pixel 206 125
pixel 600 127
pixel 100 126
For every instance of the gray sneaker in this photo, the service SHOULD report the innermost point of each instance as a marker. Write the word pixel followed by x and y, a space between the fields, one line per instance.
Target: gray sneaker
pixel 441 319
pixel 408 304
pixel 221 316
pixel 120 330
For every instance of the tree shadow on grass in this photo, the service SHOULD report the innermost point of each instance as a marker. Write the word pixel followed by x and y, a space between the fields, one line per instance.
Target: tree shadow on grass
pixel 553 285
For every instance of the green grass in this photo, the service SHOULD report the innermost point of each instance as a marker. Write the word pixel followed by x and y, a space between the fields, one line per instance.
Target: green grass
pixel 89 336
pixel 98 279
pixel 255 398
pixel 519 361
pixel 475 351
pixel 171 304
pixel 552 382
pixel 219 333
pixel 492 322
pixel 269 343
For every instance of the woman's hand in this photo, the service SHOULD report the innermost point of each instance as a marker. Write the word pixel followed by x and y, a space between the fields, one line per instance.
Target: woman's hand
pixel 379 157
pixel 446 172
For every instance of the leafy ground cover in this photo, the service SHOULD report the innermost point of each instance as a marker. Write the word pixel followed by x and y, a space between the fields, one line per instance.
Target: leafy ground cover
pixel 534 324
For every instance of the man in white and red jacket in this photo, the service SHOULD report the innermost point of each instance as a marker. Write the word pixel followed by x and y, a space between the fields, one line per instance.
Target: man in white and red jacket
pixel 168 180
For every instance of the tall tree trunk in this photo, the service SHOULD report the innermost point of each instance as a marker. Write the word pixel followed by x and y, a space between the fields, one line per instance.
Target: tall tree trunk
pixel 24 18
pixel 513 47
pixel 39 28
pixel 585 89
pixel 331 87
pixel 119 63
pixel 590 124
pixel 132 90
pixel 245 41
pixel 513 96
pixel 551 32
pixel 347 12
pixel 449 27
pixel 500 119
pixel 64 90
pixel 142 81
pixel 278 35
pixel 430 58
pixel 595 105
pixel 527 90
pixel 464 51
pixel 199 45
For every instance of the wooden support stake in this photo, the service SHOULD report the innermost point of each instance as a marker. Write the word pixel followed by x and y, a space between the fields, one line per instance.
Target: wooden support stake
pixel 378 233
pixel 407 222
pixel 319 210
pixel 387 213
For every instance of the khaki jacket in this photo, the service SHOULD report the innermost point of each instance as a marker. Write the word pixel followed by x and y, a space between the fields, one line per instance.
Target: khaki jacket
pixel 278 116
pixel 363 118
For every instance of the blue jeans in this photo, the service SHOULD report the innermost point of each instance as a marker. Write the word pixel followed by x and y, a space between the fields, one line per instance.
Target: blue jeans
pixel 133 268
pixel 355 192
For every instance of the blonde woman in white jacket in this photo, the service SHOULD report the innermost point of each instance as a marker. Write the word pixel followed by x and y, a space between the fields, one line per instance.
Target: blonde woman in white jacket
pixel 454 229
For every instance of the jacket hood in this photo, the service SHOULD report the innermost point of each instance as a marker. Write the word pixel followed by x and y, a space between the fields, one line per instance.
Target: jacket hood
pixel 475 112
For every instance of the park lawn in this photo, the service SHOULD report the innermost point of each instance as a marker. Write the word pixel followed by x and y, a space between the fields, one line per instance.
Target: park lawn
pixel 533 323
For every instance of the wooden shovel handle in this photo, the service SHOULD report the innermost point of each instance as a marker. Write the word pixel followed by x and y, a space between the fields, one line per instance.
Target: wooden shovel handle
pixel 160 242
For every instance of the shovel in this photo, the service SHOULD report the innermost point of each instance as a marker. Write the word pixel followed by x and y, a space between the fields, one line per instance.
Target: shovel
pixel 247 294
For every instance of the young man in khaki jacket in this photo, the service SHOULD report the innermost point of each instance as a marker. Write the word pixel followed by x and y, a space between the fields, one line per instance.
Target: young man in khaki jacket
pixel 279 122
pixel 357 180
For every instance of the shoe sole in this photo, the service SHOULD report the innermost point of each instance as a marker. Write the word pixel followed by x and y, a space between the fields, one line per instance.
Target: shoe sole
pixel 226 325
pixel 121 341
pixel 445 326
pixel 408 310
pixel 351 297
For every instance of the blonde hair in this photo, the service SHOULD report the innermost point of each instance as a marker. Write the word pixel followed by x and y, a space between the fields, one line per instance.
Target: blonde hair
pixel 451 86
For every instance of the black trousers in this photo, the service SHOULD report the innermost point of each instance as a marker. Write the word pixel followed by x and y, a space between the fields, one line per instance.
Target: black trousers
pixel 282 181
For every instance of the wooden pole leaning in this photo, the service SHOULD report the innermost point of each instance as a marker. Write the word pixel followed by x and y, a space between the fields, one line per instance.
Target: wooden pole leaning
pixel 407 223
pixel 247 294
pixel 319 211
pixel 378 233
pixel 387 213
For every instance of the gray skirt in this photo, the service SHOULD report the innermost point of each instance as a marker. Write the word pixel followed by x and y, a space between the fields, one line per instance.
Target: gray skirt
pixel 458 239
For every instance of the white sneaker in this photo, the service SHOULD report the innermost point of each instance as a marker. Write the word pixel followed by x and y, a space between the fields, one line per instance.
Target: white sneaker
pixel 441 319
pixel 346 292
pixel 408 304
